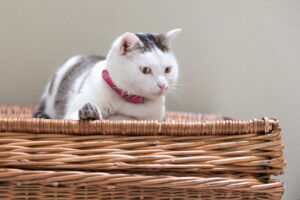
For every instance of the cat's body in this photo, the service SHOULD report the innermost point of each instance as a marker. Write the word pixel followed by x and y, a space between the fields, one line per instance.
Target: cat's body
pixel 78 89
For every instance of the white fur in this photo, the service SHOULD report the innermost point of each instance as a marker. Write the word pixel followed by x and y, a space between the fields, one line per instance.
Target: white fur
pixel 59 75
pixel 124 70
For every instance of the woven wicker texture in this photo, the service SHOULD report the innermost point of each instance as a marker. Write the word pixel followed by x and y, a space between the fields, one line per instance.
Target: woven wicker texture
pixel 181 158
pixel 124 185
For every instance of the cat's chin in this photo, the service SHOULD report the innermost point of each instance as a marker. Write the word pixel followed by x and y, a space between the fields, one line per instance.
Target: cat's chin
pixel 156 95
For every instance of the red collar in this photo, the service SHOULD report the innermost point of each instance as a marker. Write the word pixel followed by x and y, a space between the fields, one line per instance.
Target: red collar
pixel 130 98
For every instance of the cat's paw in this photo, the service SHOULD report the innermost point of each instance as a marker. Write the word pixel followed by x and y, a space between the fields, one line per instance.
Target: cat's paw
pixel 41 115
pixel 90 111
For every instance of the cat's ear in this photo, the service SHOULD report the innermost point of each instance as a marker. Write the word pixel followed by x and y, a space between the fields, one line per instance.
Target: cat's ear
pixel 169 36
pixel 129 42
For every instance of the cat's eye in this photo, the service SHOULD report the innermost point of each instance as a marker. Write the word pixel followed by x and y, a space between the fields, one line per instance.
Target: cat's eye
pixel 168 69
pixel 145 70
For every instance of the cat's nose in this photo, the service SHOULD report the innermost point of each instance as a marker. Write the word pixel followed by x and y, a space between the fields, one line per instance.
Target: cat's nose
pixel 161 86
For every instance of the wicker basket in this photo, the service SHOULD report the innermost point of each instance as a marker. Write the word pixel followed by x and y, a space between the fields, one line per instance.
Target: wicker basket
pixel 188 156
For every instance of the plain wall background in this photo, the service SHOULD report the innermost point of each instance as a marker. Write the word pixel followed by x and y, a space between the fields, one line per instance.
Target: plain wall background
pixel 238 58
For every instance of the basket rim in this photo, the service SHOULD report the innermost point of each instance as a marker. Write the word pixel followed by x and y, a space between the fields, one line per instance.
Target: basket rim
pixel 131 127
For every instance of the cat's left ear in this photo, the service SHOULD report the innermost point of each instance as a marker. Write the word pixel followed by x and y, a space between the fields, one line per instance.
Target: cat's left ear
pixel 169 36
pixel 129 42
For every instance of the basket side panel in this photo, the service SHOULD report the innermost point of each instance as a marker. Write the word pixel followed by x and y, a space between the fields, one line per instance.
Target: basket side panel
pixel 249 153
pixel 26 184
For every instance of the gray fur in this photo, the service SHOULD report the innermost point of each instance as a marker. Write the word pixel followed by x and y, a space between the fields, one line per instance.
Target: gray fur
pixel 39 112
pixel 151 41
pixel 90 111
pixel 62 95
pixel 82 82
pixel 51 84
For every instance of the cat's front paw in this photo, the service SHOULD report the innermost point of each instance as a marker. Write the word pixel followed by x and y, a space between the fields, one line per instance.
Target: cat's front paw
pixel 90 111
pixel 41 115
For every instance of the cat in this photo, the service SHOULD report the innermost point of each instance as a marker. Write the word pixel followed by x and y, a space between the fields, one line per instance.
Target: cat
pixel 130 83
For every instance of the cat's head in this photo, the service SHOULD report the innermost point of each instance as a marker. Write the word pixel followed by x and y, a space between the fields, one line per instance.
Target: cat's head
pixel 143 63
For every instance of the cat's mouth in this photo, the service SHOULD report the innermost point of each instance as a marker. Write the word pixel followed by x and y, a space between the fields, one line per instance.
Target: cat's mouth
pixel 154 95
pixel 159 93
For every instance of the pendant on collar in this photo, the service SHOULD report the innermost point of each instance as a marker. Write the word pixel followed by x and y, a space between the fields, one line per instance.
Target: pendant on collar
pixel 130 98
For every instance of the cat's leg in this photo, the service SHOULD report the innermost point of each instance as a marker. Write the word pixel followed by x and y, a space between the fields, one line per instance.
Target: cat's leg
pixel 39 111
pixel 90 111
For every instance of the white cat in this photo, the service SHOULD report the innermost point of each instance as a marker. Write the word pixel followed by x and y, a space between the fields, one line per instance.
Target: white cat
pixel 130 83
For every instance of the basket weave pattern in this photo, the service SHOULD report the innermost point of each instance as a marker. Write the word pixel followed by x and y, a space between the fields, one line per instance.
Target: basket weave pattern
pixel 188 156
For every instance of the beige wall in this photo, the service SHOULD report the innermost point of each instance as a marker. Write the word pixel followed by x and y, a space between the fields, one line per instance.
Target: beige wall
pixel 238 58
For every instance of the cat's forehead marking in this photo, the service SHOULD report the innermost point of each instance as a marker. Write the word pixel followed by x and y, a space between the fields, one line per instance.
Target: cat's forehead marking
pixel 151 41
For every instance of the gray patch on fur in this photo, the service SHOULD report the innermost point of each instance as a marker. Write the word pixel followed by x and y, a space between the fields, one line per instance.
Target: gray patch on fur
pixel 62 95
pixel 151 41
pixel 84 79
pixel 89 111
pixel 39 112
pixel 51 84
